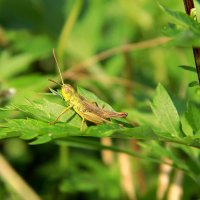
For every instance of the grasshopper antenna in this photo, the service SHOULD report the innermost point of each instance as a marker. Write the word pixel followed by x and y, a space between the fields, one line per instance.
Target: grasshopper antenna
pixel 54 55
pixel 54 82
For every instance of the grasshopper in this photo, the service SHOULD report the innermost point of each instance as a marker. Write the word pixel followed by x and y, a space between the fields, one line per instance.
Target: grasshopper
pixel 89 111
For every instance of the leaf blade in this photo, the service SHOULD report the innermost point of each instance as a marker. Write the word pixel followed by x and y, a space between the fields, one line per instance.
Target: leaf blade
pixel 165 111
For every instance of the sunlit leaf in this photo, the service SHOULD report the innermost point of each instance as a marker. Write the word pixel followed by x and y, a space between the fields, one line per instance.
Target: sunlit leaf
pixel 165 112
pixel 188 68
pixel 193 84
pixel 193 116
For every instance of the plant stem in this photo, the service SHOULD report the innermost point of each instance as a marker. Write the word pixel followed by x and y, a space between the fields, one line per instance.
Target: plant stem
pixel 15 181
pixel 114 51
pixel 63 157
pixel 189 5
pixel 67 29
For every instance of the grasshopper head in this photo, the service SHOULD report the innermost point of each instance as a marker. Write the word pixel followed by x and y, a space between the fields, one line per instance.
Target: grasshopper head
pixel 67 91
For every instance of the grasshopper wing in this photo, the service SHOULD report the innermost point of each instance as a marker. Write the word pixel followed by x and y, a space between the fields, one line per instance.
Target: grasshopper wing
pixel 92 117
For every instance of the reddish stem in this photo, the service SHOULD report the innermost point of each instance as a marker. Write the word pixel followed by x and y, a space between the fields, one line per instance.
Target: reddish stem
pixel 189 4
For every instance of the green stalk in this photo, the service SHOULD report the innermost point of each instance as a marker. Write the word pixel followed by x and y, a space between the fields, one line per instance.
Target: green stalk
pixel 67 29
pixel 63 157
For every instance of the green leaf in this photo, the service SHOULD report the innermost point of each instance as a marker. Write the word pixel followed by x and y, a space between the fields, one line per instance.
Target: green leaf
pixel 192 141
pixel 193 116
pixel 141 117
pixel 166 113
pixel 39 46
pixel 188 68
pixel 186 127
pixel 4 133
pixel 193 84
pixel 11 65
pixel 31 128
pixel 115 131
pixel 54 92
pixel 47 111
pixel 187 30
pixel 184 18
pixel 171 30
pixel 41 140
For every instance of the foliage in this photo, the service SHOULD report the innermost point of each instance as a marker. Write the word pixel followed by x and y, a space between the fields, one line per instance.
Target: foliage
pixel 165 122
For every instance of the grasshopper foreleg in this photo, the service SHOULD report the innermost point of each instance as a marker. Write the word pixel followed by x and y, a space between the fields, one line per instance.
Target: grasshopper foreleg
pixel 64 111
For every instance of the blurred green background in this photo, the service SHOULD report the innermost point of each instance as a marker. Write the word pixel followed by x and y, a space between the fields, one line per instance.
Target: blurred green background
pixel 78 30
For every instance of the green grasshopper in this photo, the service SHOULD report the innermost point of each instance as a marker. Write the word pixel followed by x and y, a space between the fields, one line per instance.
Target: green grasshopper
pixel 87 110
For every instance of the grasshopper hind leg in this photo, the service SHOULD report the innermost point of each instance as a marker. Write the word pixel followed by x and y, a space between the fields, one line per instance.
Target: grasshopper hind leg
pixel 89 116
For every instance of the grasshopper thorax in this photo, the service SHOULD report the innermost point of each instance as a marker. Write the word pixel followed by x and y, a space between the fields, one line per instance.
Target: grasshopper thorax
pixel 67 91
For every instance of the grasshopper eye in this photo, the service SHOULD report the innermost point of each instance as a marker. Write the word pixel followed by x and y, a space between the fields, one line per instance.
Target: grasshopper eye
pixel 69 89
